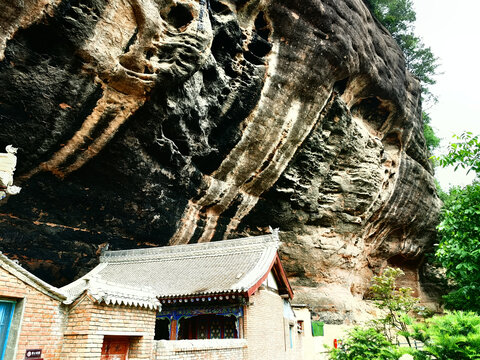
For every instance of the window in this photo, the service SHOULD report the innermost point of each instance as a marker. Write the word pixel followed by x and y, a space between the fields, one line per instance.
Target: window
pixel 6 313
pixel 208 327
pixel 300 326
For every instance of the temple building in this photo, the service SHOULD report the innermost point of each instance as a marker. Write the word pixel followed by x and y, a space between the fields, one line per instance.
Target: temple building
pixel 228 299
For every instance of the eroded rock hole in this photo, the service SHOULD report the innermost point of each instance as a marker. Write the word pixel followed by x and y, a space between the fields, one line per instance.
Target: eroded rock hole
pixel 226 41
pixel 261 26
pixel 404 261
pixel 392 139
pixel 372 110
pixel 179 16
pixel 219 8
pixel 230 71
pixel 131 41
pixel 149 54
pixel 250 57
pixel 210 74
pixel 259 46
pixel 43 40
pixel 340 86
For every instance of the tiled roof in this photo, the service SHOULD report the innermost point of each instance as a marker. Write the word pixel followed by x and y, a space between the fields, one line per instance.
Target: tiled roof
pixel 228 266
pixel 111 293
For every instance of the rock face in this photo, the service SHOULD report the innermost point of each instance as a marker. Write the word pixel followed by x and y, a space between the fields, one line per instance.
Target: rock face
pixel 158 122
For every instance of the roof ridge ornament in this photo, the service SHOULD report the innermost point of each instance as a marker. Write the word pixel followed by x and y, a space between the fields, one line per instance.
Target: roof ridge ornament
pixel 274 231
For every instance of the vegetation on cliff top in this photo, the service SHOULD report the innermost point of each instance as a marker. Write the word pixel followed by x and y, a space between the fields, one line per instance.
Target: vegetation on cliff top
pixel 398 17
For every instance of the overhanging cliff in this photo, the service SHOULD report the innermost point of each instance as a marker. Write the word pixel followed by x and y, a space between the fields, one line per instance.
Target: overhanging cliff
pixel 143 123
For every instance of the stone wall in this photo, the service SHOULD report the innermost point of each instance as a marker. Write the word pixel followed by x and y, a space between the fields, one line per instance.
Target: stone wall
pixel 37 322
pixel 89 322
pixel 212 349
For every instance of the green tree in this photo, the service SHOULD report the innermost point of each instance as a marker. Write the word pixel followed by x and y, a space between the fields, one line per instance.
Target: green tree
pixel 397 301
pixel 464 153
pixel 459 246
pixel 450 336
pixel 398 17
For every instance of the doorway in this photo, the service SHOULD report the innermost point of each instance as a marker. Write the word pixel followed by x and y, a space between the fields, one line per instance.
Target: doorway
pixel 115 348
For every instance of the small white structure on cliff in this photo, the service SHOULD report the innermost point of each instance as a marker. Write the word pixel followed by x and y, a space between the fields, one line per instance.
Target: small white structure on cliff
pixel 8 162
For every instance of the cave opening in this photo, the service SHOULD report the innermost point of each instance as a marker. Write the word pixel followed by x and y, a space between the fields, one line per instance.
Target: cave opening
pixel 179 16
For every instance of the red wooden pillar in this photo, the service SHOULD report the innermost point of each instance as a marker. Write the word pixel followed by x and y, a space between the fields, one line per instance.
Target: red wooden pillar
pixel 173 330
pixel 242 324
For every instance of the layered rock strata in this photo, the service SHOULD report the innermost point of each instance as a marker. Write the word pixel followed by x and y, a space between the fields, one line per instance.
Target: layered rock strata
pixel 145 123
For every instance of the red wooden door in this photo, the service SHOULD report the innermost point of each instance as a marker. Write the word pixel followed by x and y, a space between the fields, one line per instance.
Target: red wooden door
pixel 115 348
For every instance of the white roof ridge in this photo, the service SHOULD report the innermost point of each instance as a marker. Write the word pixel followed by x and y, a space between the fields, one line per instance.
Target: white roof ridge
pixel 174 256
pixel 247 244
pixel 92 273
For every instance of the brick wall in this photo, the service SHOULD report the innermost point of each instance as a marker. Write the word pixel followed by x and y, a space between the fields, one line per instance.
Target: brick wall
pixel 212 349
pixel 39 325
pixel 266 330
pixel 77 332
pixel 89 322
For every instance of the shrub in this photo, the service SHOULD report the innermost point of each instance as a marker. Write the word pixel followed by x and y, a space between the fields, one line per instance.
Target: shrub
pixel 455 335
pixel 361 344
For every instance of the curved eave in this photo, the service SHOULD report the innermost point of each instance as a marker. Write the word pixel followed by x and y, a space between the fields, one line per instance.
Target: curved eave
pixel 115 299
pixel 118 300
pixel 276 267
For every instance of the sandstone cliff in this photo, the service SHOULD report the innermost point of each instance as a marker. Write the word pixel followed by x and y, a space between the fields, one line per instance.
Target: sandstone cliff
pixel 157 122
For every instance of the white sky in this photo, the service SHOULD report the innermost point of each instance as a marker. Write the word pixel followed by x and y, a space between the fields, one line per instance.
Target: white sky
pixel 452 30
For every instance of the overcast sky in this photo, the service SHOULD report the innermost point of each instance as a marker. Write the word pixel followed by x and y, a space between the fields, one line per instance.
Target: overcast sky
pixel 452 30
